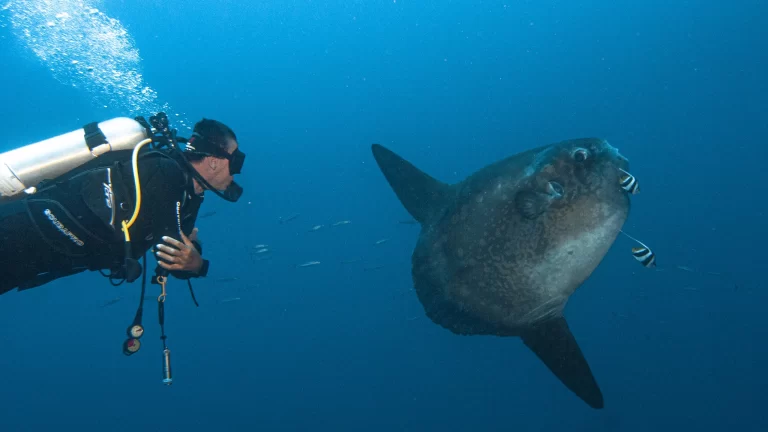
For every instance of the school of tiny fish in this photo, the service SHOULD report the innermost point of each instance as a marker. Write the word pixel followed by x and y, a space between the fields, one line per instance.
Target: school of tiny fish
pixel 260 252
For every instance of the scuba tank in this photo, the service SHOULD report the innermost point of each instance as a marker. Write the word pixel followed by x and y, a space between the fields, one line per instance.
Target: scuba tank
pixel 23 169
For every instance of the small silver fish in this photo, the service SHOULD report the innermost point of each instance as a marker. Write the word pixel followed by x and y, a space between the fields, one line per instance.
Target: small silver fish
pixel 378 242
pixel 629 183
pixel 344 222
pixel 261 251
pixel 230 299
pixel 260 246
pixel 316 227
pixel 309 263
pixel 289 218
pixel 111 302
pixel 227 279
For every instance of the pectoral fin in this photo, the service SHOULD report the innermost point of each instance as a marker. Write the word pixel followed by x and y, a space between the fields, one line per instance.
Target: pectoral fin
pixel 531 204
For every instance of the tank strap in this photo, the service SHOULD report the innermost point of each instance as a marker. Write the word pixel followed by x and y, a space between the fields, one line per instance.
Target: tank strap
pixel 142 121
pixel 94 137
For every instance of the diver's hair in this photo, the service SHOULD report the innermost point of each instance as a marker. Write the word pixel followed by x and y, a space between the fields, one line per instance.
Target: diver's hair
pixel 215 133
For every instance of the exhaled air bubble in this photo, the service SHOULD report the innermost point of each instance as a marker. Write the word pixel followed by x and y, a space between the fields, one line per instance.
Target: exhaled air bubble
pixel 108 64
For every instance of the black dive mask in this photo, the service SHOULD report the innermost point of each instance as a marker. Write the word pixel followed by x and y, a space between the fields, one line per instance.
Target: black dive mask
pixel 236 160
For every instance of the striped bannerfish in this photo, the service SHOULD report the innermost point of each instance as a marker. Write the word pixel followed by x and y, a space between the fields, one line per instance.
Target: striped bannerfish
pixel 646 256
pixel 643 254
pixel 629 183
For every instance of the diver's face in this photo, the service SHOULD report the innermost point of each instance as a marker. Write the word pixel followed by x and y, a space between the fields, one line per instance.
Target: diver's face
pixel 217 171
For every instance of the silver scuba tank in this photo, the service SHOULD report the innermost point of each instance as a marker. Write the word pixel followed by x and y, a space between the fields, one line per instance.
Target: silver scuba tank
pixel 22 169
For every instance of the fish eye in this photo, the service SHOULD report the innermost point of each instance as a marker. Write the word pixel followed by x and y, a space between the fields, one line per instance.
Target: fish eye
pixel 580 155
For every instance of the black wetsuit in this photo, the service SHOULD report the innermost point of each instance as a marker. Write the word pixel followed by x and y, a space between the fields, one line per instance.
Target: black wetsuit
pixel 71 227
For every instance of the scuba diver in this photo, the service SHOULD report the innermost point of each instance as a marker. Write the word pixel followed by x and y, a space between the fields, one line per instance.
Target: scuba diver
pixel 100 197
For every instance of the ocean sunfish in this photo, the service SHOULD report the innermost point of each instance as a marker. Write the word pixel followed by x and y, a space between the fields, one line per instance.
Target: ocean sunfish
pixel 501 252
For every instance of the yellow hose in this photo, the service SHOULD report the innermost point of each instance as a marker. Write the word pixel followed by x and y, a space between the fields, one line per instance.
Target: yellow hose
pixel 135 164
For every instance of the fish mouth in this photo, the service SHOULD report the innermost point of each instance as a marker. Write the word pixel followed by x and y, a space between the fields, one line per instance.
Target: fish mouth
pixel 622 162
pixel 626 180
pixel 555 189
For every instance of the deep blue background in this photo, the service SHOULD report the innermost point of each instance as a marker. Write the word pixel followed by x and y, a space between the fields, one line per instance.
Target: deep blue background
pixel 679 87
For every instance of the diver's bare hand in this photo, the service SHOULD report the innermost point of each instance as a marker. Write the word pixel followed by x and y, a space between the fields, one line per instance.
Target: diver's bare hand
pixel 177 256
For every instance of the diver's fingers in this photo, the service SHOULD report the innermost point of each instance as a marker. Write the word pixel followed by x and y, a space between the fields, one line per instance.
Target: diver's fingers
pixel 186 239
pixel 182 250
pixel 167 249
pixel 165 256
pixel 173 241
pixel 167 266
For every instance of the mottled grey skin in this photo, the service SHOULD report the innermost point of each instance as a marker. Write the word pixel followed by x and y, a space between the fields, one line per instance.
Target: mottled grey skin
pixel 501 252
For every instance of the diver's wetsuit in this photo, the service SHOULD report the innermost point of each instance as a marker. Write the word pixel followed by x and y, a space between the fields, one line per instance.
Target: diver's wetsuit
pixel 75 230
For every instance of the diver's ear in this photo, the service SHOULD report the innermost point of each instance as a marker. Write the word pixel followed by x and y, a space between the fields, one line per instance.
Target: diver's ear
pixel 212 163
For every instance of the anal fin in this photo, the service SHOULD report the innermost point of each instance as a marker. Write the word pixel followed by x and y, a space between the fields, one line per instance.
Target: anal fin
pixel 554 344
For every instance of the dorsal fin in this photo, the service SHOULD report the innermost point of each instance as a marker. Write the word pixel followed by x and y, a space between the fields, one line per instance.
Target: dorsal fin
pixel 423 196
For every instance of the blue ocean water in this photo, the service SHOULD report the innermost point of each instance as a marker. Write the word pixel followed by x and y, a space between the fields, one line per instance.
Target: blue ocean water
pixel 308 86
